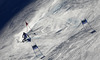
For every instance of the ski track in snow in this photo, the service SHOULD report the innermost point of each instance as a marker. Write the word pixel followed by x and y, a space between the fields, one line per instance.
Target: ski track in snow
pixel 59 32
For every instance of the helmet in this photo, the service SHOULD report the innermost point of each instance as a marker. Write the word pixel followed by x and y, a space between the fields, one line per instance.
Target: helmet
pixel 24 33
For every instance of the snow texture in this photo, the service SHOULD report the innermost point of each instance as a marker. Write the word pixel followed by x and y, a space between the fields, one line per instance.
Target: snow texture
pixel 55 26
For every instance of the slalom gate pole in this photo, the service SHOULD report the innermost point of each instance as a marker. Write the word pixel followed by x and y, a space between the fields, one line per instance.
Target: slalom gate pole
pixel 89 25
pixel 27 28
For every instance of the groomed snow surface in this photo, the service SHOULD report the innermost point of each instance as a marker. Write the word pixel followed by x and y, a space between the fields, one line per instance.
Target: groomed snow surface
pixel 60 34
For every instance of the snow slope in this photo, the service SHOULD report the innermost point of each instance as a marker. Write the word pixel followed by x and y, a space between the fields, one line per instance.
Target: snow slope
pixel 59 32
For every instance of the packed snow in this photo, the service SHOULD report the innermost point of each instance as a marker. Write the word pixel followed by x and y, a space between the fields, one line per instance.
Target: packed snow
pixel 59 33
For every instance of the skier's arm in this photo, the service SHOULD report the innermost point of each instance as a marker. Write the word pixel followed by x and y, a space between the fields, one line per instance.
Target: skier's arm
pixel 27 35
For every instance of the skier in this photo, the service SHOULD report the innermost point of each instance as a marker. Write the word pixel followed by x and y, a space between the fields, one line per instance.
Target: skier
pixel 26 37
